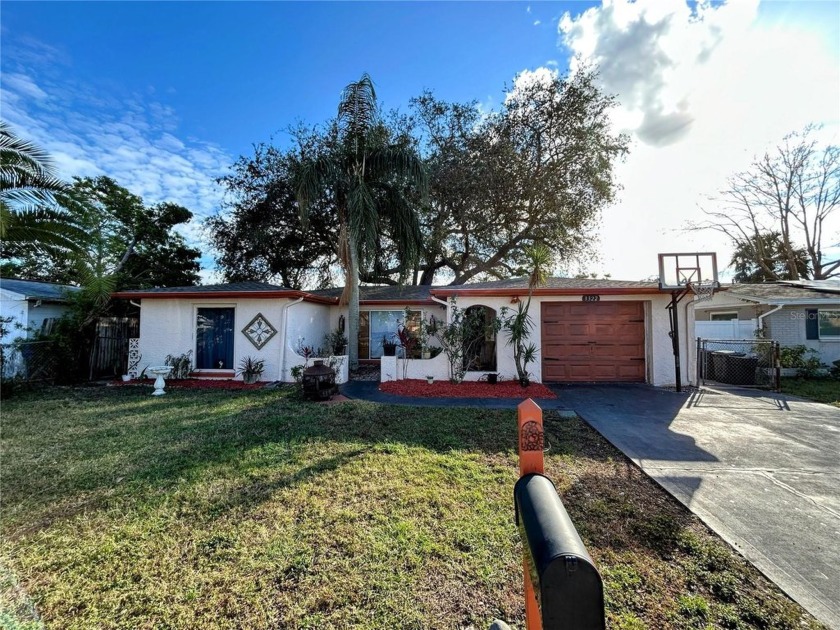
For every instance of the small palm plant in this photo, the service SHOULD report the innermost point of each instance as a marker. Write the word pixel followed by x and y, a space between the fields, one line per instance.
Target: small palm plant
pixel 251 369
pixel 519 324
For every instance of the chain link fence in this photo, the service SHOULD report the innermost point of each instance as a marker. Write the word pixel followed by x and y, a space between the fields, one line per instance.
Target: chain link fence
pixel 741 362
pixel 29 361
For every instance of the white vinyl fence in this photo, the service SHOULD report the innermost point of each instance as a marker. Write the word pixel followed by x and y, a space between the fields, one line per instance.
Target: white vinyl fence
pixel 732 329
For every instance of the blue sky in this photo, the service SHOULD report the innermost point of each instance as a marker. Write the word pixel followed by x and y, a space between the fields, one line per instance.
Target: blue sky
pixel 164 96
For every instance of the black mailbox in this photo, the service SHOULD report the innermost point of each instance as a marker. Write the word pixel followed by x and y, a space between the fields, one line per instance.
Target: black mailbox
pixel 567 584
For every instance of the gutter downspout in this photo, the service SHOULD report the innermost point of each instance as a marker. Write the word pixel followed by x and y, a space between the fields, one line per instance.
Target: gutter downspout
pixel 285 316
pixel 763 315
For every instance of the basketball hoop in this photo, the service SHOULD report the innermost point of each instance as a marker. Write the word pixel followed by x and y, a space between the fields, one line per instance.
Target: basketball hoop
pixel 702 290
pixel 681 274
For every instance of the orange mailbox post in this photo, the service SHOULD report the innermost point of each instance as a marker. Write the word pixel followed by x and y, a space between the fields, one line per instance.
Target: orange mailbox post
pixel 531 460
pixel 563 589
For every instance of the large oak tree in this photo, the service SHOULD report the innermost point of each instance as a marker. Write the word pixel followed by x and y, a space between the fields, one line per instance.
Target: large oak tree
pixel 538 171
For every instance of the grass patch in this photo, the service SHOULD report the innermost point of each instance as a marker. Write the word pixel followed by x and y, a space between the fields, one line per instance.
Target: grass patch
pixel 251 509
pixel 824 390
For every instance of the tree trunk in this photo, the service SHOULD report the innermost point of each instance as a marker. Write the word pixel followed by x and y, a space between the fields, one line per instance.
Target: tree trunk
pixel 353 306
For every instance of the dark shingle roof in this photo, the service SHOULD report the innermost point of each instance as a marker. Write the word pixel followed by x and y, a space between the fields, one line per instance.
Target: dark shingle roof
pixel 781 291
pixel 383 293
pixel 559 283
pixel 34 290
pixel 231 287
pixel 412 293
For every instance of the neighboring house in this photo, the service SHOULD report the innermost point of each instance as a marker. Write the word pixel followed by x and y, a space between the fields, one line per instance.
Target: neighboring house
pixel 793 313
pixel 586 330
pixel 32 306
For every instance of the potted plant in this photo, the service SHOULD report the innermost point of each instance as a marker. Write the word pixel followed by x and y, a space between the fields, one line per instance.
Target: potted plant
pixel 251 369
pixel 389 347
pixel 492 378
pixel 430 379
pixel 335 343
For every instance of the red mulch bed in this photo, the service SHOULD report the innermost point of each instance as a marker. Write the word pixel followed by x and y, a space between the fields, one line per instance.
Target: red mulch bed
pixel 193 383
pixel 467 389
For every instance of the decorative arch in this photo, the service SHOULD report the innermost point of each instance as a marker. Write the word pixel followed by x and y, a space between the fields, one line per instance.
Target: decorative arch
pixel 480 342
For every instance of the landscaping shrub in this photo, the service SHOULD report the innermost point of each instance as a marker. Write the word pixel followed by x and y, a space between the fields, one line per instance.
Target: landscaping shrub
pixel 805 360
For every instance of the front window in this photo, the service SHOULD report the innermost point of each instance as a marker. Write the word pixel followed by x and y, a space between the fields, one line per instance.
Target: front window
pixel 376 327
pixel 829 323
pixel 723 317
pixel 214 339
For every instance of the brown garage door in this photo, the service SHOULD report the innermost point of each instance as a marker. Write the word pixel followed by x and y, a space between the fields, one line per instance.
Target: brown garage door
pixel 593 341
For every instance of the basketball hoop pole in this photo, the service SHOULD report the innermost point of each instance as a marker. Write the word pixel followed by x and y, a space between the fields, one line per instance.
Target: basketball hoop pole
pixel 681 274
pixel 676 298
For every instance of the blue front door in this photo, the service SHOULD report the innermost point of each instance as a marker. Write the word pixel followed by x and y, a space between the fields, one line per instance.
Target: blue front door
pixel 214 339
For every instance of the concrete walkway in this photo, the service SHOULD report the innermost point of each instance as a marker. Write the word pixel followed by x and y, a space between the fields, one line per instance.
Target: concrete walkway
pixel 761 469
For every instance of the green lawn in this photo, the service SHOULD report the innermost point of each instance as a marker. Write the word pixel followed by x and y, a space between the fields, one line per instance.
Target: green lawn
pixel 209 509
pixel 824 390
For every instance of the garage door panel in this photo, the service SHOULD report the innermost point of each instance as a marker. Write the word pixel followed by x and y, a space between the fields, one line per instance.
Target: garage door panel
pixel 567 352
pixel 602 341
pixel 618 352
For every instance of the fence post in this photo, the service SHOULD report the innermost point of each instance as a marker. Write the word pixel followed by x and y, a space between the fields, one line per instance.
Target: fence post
pixel 531 460
pixel 700 374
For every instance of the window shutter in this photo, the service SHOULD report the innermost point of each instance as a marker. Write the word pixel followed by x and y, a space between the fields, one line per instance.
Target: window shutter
pixel 812 323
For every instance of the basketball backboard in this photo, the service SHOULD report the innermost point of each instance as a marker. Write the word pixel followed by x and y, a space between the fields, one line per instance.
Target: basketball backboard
pixel 687 271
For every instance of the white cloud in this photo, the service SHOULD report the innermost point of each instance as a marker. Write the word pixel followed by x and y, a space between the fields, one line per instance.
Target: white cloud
pixel 134 140
pixel 22 85
pixel 537 22
pixel 700 92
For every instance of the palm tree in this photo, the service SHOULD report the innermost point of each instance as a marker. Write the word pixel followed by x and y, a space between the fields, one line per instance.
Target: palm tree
pixel 28 211
pixel 355 177
pixel 519 324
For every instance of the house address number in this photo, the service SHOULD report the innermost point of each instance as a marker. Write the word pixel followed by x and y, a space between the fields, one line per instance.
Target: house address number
pixel 591 298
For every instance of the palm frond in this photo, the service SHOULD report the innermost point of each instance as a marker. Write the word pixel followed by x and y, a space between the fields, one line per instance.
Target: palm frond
pixel 404 226
pixel 357 111
pixel 540 258
pixel 45 228
pixel 23 164
pixel 363 215
pixel 400 162
pixel 310 180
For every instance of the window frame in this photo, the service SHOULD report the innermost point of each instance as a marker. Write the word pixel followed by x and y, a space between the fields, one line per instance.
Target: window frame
pixel 400 312
pixel 820 334
pixel 196 308
pixel 713 315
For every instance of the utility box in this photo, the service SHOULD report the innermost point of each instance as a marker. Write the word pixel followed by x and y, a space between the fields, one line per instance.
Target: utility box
pixel 569 589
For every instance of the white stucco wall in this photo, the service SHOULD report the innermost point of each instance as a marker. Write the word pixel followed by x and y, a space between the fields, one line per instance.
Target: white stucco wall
pixel 27 315
pixel 16 309
pixel 307 324
pixel 393 369
pixel 167 326
pixel 659 357
pixel 37 314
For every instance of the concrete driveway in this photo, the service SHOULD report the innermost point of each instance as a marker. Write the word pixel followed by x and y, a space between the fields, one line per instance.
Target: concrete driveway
pixel 760 469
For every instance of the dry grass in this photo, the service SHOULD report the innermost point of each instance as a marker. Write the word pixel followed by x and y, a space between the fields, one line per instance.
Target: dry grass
pixel 252 510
